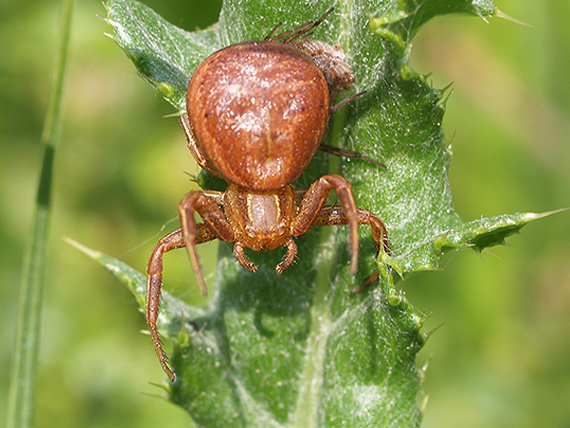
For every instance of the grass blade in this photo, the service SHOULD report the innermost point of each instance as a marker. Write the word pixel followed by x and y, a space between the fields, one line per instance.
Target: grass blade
pixel 20 399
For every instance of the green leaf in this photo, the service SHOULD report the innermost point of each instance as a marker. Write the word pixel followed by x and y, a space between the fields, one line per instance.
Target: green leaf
pixel 154 46
pixel 173 309
pixel 296 350
pixel 400 21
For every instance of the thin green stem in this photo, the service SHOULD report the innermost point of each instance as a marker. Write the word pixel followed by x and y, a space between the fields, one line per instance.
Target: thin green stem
pixel 21 400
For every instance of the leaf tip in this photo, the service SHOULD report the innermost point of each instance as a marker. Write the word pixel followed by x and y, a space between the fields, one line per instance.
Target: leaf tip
pixel 528 217
pixel 91 253
pixel 164 386
pixel 499 14
pixel 423 406
pixel 445 94
pixel 111 36
pixel 433 330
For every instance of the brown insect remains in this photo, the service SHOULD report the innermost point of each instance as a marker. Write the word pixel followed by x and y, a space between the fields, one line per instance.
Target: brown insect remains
pixel 256 114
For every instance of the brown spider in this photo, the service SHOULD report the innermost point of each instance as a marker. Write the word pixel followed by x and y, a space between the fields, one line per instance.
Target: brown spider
pixel 257 113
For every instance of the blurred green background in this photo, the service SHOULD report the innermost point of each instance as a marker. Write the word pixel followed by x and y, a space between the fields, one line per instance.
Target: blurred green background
pixel 501 354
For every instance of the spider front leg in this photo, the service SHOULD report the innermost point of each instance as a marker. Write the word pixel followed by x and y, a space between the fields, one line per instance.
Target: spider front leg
pixel 206 205
pixel 335 215
pixel 314 200
pixel 154 268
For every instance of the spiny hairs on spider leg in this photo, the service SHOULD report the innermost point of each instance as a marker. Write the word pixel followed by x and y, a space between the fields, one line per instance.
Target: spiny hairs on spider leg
pixel 256 114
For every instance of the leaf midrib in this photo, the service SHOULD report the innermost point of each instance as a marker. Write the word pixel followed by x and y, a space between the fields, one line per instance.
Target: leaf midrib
pixel 306 410
pixel 312 374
